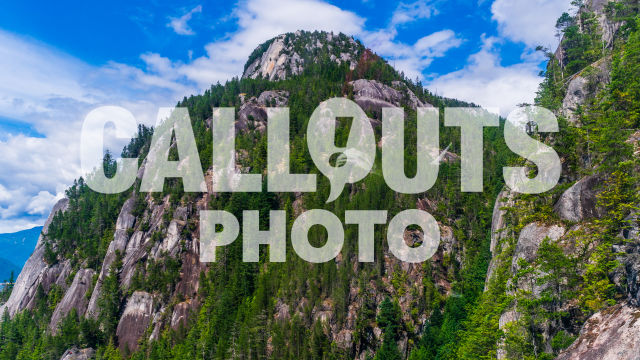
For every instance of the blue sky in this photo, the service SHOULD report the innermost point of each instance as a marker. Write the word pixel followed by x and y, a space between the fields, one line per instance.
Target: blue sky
pixel 60 60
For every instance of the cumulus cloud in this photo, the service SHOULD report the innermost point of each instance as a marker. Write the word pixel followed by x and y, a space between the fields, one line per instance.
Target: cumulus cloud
pixel 51 92
pixel 225 58
pixel 181 24
pixel 412 59
pixel 42 203
pixel 406 13
pixel 529 21
pixel 486 82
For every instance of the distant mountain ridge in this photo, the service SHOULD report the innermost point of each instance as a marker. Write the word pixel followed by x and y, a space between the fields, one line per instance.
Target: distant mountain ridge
pixel 15 249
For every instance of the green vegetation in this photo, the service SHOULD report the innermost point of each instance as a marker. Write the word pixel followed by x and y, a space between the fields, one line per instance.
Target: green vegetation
pixel 239 312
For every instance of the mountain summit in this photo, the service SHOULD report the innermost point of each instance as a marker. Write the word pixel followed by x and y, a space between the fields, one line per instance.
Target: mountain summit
pixel 287 54
pixel 515 276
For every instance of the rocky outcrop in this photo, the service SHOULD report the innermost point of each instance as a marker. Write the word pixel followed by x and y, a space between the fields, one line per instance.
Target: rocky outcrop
pixel 627 275
pixel 584 86
pixel 273 98
pixel 373 95
pixel 508 317
pixel 181 314
pixel 588 82
pixel 252 114
pixel 35 271
pixel 124 222
pixel 607 27
pixel 74 298
pixel 611 334
pixel 579 202
pixel 530 239
pixel 135 320
pixel 78 354
pixel 286 55
pixel 504 200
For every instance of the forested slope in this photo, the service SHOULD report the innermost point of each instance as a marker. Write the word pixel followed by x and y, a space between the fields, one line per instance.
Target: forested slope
pixel 512 278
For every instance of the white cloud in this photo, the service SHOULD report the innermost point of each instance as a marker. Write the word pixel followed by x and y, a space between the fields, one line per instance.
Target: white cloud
pixel 406 13
pixel 42 203
pixel 486 82
pixel 51 92
pixel 181 24
pixel 411 59
pixel 529 21
pixel 19 225
pixel 225 58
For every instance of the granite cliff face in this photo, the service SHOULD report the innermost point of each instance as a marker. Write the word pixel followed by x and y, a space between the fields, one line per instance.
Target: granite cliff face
pixel 152 252
pixel 576 212
pixel 36 272
pixel 155 236
pixel 286 55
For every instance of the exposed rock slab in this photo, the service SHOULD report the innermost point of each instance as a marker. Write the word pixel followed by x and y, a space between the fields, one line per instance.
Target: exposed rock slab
pixel 74 298
pixel 252 114
pixel 498 224
pixel 124 222
pixel 530 239
pixel 579 202
pixel 35 270
pixel 373 95
pixel 181 313
pixel 611 334
pixel 135 319
pixel 78 354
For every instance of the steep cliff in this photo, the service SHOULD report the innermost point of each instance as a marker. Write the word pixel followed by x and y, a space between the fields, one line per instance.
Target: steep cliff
pixel 514 276
pixel 562 260
pixel 121 273
pixel 288 54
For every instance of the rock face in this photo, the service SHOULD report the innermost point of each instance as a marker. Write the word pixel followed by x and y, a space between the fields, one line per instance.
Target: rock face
pixel 119 244
pixel 579 202
pixel 373 95
pixel 287 54
pixel 530 239
pixel 181 313
pixel 584 86
pixel 608 28
pixel 78 354
pixel 135 319
pixel 74 298
pixel 35 271
pixel 498 232
pixel 611 334
pixel 627 275
pixel 252 114
pixel 498 219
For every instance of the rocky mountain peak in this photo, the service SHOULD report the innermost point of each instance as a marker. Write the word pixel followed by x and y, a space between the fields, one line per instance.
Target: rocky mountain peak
pixel 288 54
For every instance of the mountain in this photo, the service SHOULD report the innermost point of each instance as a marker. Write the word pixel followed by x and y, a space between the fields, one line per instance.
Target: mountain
pixel 563 279
pixel 514 277
pixel 16 248
pixel 7 268
pixel 289 54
